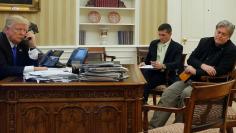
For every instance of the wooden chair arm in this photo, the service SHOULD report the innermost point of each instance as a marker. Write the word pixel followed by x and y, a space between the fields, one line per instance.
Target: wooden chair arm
pixel 233 90
pixel 225 77
pixel 112 57
pixel 202 83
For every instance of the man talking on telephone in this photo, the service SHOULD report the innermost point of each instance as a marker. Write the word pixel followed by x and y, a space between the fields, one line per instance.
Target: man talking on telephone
pixel 17 48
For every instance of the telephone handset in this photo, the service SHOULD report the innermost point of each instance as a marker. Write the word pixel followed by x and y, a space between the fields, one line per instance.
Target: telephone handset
pixel 33 28
pixel 51 58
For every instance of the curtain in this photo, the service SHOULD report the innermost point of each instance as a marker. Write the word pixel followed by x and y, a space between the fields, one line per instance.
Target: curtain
pixel 152 14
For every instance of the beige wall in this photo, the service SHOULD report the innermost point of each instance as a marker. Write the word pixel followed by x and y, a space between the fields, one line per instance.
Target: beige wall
pixel 56 21
pixel 57 24
pixel 153 13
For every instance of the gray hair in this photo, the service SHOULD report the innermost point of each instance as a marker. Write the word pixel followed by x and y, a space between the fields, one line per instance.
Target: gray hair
pixel 16 19
pixel 228 25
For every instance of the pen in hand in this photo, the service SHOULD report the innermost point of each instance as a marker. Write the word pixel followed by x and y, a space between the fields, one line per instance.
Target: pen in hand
pixel 156 64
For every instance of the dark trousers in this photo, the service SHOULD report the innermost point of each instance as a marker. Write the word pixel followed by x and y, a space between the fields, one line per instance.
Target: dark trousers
pixel 153 78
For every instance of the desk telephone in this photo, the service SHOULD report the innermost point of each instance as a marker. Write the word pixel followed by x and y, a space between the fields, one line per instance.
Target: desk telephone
pixel 51 59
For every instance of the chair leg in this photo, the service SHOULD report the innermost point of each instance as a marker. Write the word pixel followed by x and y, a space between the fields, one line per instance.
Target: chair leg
pixel 145 121
pixel 230 130
pixel 222 130
pixel 154 98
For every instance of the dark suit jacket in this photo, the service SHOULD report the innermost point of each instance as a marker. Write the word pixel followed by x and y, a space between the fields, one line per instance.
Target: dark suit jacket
pixel 222 58
pixel 172 58
pixel 6 58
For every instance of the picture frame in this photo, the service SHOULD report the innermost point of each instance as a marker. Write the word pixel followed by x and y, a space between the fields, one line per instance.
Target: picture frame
pixel 19 5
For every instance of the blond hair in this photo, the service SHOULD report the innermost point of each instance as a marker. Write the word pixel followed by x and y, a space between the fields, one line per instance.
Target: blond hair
pixel 16 19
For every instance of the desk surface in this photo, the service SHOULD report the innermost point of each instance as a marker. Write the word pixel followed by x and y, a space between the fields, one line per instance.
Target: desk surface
pixel 135 78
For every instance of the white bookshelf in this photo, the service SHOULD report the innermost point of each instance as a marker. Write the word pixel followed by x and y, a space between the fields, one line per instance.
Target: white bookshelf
pixel 129 21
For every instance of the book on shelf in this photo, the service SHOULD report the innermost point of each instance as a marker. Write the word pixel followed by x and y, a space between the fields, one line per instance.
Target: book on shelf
pixel 106 3
pixel 82 37
pixel 131 37
pixel 119 38
pixel 125 37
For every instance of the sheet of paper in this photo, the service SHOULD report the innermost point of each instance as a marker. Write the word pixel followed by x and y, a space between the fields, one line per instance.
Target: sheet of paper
pixel 51 72
pixel 52 75
pixel 146 67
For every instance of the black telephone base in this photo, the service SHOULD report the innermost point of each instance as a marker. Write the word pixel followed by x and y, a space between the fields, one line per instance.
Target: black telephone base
pixel 60 65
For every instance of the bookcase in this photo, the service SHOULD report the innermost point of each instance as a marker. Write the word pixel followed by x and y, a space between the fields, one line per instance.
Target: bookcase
pixel 106 24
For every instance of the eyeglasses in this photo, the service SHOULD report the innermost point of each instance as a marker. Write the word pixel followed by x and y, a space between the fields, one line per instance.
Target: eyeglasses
pixel 20 30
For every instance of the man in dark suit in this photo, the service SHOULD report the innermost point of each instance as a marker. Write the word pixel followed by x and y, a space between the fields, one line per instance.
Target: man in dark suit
pixel 164 55
pixel 17 48
pixel 214 56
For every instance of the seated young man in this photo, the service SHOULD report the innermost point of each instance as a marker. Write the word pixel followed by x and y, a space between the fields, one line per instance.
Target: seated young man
pixel 164 55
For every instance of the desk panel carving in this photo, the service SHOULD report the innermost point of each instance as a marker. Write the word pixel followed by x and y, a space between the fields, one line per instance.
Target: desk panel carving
pixel 72 93
pixel 12 118
pixel 72 119
pixel 76 107
pixel 35 119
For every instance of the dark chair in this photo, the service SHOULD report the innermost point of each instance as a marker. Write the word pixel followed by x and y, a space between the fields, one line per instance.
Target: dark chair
pixel 96 54
pixel 141 54
pixel 158 90
pixel 203 110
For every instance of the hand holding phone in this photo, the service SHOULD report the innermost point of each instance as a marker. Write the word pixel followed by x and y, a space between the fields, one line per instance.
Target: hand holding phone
pixel 31 38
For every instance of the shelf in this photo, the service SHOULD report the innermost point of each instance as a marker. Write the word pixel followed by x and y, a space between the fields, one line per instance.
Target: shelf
pixel 106 8
pixel 89 34
pixel 118 24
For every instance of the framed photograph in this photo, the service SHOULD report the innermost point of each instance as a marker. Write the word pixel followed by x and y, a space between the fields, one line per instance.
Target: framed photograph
pixel 20 5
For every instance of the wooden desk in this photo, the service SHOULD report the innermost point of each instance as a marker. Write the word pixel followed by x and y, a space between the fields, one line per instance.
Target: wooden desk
pixel 76 107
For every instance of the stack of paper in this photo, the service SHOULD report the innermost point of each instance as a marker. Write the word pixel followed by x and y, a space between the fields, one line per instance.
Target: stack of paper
pixel 52 75
pixel 103 72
